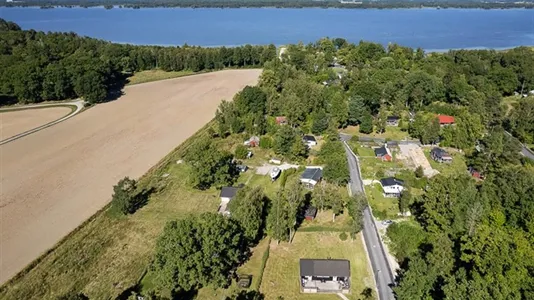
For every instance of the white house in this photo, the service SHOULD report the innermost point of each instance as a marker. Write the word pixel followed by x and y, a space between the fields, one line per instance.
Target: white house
pixel 311 176
pixel 227 194
pixel 392 187
pixel 309 140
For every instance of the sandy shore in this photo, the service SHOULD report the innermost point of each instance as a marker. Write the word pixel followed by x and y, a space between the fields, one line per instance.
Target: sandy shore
pixel 53 180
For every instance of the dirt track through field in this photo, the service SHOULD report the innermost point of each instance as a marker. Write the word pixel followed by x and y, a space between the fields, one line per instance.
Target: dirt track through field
pixel 53 180
pixel 15 122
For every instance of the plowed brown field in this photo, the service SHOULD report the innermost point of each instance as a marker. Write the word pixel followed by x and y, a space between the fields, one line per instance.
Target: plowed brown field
pixel 53 180
pixel 15 122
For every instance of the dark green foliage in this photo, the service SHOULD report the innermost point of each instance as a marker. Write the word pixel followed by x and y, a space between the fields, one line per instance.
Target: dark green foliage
pixel 266 142
pixel 198 251
pixel 332 154
pixel 284 139
pixel 419 172
pixel 356 110
pixel 210 165
pixel 247 209
pixel 355 206
pixel 320 122
pixel 405 200
pixel 406 237
pixel 366 123
pixel 343 236
pixel 40 66
pixel 277 220
pixel 241 152
pixel 125 197
pixel 521 121
pixel 251 100
pixel 477 242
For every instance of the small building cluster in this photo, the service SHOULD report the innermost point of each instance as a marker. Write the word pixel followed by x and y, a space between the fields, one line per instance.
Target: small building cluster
pixel 325 276
pixel 392 187
pixel 440 155
pixel 392 121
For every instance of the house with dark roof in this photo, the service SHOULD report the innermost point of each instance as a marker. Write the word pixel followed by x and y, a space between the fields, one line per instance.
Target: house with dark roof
pixel 392 187
pixel 445 120
pixel 226 195
pixel 440 155
pixel 311 176
pixel 310 213
pixel 309 140
pixel 383 153
pixel 324 276
pixel 392 121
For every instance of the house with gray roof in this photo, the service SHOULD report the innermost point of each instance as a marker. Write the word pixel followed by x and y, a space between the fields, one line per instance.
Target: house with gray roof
pixel 325 275
pixel 311 176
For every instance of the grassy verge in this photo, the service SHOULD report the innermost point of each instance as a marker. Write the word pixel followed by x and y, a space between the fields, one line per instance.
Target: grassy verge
pixel 383 207
pixel 107 255
pixel 281 277
pixel 323 222
pixel 392 133
pixel 19 108
pixel 155 75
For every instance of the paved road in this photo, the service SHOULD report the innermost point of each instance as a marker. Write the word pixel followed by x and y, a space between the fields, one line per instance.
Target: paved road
pixel 379 262
pixel 524 149
pixel 79 104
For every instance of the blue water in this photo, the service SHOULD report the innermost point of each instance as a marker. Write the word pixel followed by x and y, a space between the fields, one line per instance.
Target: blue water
pixel 431 29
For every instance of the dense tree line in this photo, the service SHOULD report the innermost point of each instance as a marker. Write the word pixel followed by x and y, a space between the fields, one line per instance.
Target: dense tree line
pixel 136 4
pixel 38 66
pixel 378 81
pixel 475 242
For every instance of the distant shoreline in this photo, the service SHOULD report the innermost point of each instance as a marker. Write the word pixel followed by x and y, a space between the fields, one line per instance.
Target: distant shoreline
pixel 291 4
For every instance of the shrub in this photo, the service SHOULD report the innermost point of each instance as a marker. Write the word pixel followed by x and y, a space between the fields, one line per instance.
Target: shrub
pixel 419 172
pixel 264 259
pixel 124 196
pixel 241 152
pixel 343 236
pixel 266 142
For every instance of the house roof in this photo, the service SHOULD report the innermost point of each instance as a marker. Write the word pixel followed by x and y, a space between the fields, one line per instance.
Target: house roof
pixel 310 212
pixel 309 138
pixel 324 267
pixel 281 119
pixel 393 118
pixel 390 181
pixel 440 152
pixel 382 151
pixel 443 119
pixel 229 192
pixel 312 173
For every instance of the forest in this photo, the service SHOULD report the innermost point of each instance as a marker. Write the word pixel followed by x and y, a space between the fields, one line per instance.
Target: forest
pixel 37 66
pixel 136 4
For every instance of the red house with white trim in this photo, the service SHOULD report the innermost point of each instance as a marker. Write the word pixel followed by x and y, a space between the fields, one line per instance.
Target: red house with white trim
pixel 445 120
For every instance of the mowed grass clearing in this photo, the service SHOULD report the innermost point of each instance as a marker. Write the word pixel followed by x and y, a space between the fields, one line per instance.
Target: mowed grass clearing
pixel 154 75
pixel 383 207
pixel 393 133
pixel 282 272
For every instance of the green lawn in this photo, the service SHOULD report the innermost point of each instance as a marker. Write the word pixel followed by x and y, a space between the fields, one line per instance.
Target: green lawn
pixel 457 166
pixel 392 133
pixel 323 222
pixel 155 75
pixel 370 165
pixel 281 277
pixel 383 207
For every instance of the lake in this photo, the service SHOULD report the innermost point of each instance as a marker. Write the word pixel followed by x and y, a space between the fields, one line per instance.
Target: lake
pixel 431 29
